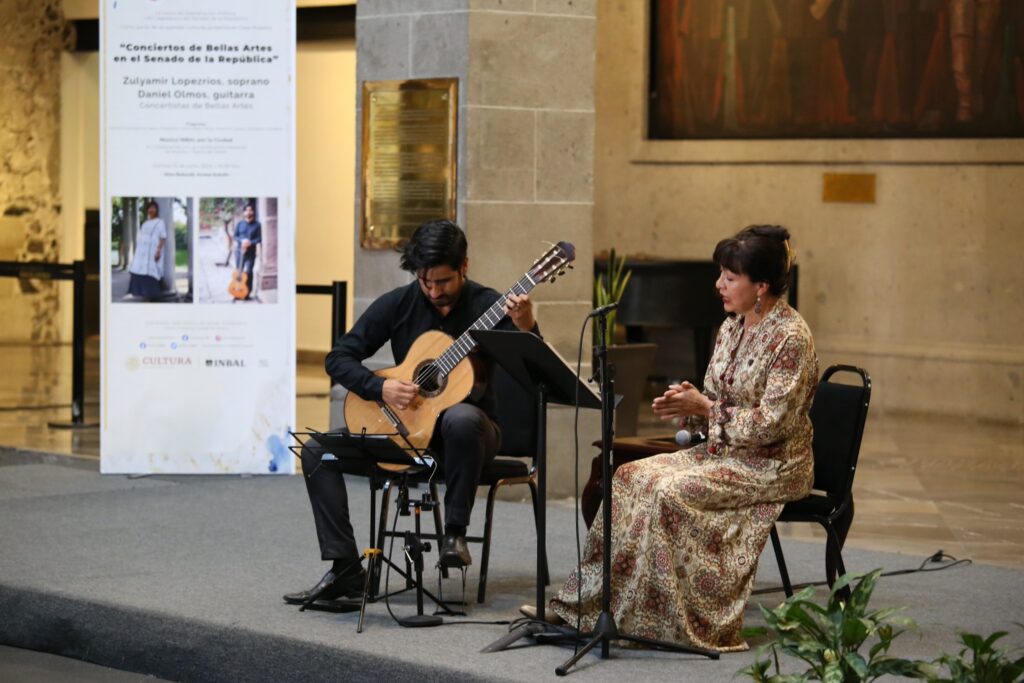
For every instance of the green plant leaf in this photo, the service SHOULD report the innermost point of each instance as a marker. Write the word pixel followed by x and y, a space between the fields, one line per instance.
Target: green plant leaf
pixel 861 594
pixel 973 641
pixel 902 622
pixel 884 613
pixel 833 673
pixel 856 663
pixel 758 670
pixel 855 632
pixel 808 623
pixel 990 641
pixel 897 666
pixel 609 288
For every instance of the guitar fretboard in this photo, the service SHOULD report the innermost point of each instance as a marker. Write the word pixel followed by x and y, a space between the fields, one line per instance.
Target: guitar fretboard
pixel 491 317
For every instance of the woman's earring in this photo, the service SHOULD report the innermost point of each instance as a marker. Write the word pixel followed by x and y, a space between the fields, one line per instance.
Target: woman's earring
pixel 757 305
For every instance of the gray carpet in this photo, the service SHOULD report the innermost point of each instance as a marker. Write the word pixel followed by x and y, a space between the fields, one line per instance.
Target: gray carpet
pixel 181 577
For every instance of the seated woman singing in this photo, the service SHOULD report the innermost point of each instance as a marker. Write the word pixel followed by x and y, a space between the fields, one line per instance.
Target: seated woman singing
pixel 688 527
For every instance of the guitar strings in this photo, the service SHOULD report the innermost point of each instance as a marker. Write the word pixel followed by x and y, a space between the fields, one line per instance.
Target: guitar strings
pixel 430 372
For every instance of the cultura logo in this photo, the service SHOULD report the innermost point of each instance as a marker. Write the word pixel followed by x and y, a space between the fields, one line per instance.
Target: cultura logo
pixel 166 360
pixel 225 363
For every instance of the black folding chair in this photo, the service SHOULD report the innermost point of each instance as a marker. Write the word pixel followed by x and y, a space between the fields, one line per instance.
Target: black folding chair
pixel 517 419
pixel 838 414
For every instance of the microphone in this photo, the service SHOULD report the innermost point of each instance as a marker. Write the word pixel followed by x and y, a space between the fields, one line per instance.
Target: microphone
pixel 602 310
pixel 685 438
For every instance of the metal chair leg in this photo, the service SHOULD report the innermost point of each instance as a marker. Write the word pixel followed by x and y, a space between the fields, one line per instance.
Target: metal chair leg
pixel 841 526
pixel 485 554
pixel 438 524
pixel 833 551
pixel 781 559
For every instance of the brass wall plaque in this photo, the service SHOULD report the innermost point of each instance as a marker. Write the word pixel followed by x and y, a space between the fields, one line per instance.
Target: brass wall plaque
pixel 855 188
pixel 408 159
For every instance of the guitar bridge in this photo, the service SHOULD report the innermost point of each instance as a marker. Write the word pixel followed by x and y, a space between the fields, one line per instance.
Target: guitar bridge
pixel 395 421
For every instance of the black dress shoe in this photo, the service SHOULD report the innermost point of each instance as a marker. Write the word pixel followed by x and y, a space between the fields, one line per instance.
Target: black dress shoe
pixel 454 552
pixel 347 584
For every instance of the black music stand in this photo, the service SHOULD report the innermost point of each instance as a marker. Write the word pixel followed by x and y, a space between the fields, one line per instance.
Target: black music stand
pixel 538 368
pixel 369 451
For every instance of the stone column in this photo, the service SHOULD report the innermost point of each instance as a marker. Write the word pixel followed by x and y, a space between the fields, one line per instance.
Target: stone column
pixel 31 39
pixel 525 150
pixel 268 270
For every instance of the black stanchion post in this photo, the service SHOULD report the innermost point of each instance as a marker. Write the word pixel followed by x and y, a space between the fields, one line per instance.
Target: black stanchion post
pixel 339 312
pixel 76 273
pixel 78 346
pixel 339 308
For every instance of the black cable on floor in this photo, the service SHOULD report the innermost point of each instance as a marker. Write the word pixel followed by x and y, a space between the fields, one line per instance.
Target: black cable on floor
pixel 936 557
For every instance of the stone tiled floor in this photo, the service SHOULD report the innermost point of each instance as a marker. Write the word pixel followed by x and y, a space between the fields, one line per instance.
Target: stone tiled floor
pixel 923 484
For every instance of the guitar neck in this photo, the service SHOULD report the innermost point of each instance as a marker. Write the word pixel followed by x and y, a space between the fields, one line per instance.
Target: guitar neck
pixel 491 317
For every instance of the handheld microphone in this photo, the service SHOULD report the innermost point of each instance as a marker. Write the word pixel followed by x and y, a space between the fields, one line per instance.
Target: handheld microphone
pixel 602 310
pixel 685 438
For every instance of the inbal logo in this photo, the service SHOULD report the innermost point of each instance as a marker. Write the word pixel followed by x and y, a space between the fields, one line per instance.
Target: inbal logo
pixel 225 363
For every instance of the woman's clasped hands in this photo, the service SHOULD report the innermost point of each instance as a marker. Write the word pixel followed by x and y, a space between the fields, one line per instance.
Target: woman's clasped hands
pixel 681 400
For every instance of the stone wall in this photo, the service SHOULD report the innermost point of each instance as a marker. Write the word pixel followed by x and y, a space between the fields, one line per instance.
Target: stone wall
pixel 32 34
pixel 525 152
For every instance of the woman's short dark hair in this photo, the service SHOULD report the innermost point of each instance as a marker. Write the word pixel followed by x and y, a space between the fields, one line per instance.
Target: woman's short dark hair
pixel 152 203
pixel 435 243
pixel 761 252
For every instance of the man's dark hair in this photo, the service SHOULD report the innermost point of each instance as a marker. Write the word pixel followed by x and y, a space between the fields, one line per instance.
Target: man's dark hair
pixel 435 243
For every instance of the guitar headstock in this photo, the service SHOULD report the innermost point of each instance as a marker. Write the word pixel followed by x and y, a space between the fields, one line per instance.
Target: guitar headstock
pixel 553 263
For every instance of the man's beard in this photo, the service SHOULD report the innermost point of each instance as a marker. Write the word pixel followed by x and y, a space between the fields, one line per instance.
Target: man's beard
pixel 443 302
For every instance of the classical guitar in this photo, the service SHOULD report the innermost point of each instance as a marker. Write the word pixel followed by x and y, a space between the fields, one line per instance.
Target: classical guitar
pixel 239 285
pixel 439 365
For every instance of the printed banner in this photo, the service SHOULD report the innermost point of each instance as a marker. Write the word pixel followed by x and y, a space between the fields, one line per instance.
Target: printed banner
pixel 197 174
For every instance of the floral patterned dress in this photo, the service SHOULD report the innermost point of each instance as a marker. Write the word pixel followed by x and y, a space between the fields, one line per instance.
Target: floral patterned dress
pixel 688 527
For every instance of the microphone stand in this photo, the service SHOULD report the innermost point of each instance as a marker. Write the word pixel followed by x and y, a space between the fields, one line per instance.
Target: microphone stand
pixel 414 549
pixel 606 630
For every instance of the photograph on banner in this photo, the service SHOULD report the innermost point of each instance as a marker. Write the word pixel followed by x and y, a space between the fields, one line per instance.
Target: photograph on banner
pixel 151 249
pixel 237 252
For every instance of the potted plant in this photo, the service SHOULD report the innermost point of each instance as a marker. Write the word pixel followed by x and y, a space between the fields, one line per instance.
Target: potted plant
pixel 608 289
pixel 980 661
pixel 829 640
pixel 632 361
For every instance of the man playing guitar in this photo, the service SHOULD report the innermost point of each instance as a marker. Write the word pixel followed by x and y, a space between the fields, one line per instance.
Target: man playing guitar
pixel 465 438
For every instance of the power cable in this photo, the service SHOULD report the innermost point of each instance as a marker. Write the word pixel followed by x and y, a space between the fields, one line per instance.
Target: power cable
pixel 936 557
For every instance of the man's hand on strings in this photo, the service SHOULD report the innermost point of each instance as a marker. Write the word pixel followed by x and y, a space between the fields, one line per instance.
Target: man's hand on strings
pixel 399 393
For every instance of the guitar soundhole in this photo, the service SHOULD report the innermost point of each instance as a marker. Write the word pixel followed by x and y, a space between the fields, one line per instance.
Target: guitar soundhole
pixel 430 378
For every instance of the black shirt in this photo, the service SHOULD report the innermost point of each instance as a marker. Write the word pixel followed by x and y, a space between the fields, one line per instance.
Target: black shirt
pixel 402 315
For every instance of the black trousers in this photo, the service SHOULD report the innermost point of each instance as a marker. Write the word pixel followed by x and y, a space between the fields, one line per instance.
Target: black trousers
pixel 248 262
pixel 465 441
